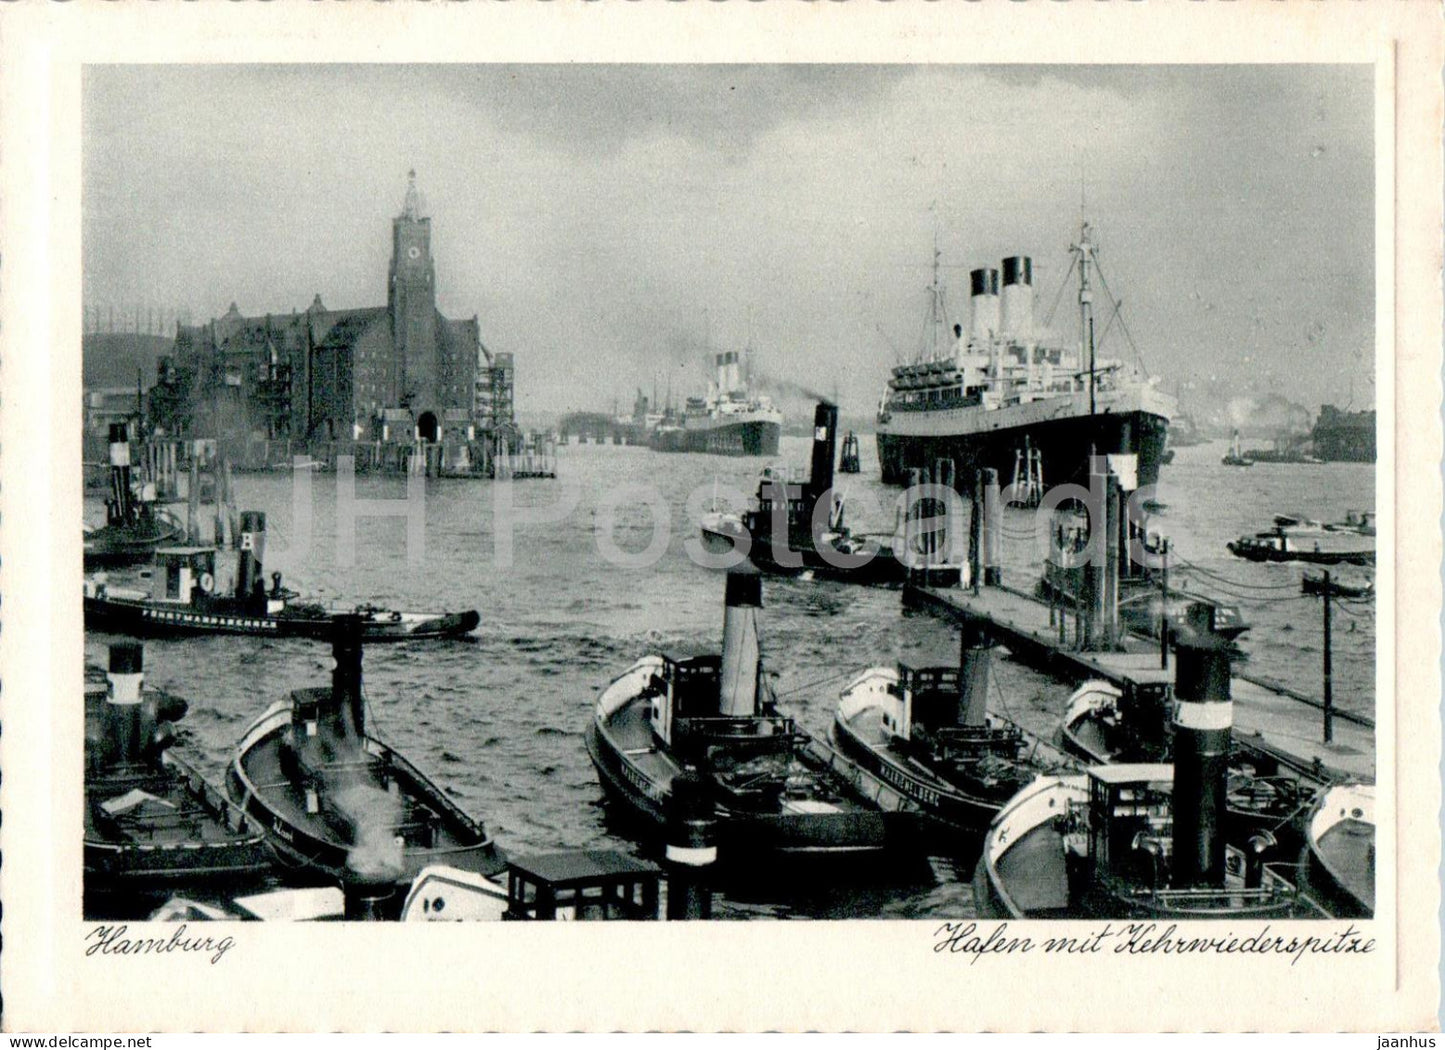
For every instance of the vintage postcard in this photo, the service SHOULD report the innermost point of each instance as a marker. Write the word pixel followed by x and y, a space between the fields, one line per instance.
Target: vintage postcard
pixel 661 517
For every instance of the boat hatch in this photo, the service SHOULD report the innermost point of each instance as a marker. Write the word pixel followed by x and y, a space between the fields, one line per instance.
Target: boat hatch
pixel 582 884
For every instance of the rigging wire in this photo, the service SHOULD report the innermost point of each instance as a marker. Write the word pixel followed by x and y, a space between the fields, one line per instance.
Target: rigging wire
pixel 1118 312
pixel 1049 321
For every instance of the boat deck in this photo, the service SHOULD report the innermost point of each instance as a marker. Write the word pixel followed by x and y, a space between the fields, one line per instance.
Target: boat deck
pixel 161 813
pixel 1283 720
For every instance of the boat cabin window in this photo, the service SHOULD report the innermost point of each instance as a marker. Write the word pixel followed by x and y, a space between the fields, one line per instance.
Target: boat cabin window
pixel 582 885
pixel 935 694
pixel 1122 815
pixel 694 685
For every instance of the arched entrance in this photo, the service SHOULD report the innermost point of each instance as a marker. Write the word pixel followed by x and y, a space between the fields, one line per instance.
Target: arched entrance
pixel 426 426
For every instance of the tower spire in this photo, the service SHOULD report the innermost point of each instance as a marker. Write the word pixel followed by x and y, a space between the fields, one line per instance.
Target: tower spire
pixel 411 209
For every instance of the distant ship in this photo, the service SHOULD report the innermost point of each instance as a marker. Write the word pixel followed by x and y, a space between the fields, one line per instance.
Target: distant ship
pixel 1344 436
pixel 729 421
pixel 1002 388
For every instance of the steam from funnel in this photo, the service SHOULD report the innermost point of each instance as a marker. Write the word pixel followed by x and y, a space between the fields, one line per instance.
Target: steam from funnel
pixel 741 656
pixel 376 852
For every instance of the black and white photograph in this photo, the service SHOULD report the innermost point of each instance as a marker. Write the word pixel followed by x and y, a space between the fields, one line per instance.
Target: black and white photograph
pixel 760 507
pixel 840 493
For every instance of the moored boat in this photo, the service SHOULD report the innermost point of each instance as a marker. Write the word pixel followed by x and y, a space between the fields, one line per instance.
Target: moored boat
pixel 135 525
pixel 1144 839
pixel 1324 546
pixel 1236 457
pixel 729 421
pixel 797 525
pixel 338 803
pixel 1339 858
pixel 776 791
pixel 1319 583
pixel 152 822
pixel 927 732
pixel 185 600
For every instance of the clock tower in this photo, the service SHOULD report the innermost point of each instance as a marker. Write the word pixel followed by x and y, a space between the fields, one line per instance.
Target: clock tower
pixel 411 298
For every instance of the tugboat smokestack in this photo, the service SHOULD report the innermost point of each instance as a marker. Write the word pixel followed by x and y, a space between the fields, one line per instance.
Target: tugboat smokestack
pixel 367 900
pixel 1203 722
pixel 124 678
pixel 973 672
pixel 346 677
pixel 251 563
pixel 691 847
pixel 825 441
pixel 740 655
pixel 120 501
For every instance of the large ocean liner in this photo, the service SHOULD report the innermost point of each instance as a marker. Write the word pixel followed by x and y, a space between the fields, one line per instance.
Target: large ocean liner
pixel 1004 392
pixel 729 421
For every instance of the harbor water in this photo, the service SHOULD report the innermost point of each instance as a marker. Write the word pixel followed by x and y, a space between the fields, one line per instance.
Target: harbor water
pixel 498 720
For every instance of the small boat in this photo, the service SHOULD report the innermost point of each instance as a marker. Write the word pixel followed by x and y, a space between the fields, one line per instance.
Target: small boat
pixel 1315 583
pixel 1148 839
pixel 777 792
pixel 927 732
pixel 1339 857
pixel 152 822
pixel 337 802
pixel 1264 793
pixel 787 535
pixel 1325 547
pixel 848 462
pixel 135 525
pixel 1235 457
pixel 184 600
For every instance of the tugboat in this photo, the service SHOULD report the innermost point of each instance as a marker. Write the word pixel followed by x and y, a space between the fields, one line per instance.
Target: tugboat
pixel 1302 541
pixel 339 804
pixel 152 823
pixel 927 732
pixel 184 600
pixel 776 792
pixel 848 462
pixel 1318 584
pixel 1144 839
pixel 786 511
pixel 1235 457
pixel 133 527
pixel 1339 859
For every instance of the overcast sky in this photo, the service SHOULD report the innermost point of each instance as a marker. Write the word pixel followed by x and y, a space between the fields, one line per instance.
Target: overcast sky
pixel 605 222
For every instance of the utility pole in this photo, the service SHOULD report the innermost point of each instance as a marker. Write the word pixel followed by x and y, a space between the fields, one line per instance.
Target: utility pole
pixel 1328 670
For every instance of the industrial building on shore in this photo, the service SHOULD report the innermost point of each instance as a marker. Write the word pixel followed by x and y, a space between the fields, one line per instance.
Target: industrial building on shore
pixel 319 379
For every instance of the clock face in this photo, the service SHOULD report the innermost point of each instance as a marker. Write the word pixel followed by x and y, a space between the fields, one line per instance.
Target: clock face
pixel 413 252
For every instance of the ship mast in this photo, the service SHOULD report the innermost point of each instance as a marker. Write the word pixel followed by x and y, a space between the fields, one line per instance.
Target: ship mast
pixel 1085 252
pixel 936 314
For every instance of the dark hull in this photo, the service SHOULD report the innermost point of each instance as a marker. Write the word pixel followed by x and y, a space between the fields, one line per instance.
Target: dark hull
pixel 118 546
pixel 1139 602
pixel 1252 552
pixel 160 620
pixel 1339 872
pixel 851 834
pixel 203 842
pixel 1064 444
pixel 753 438
pixel 882 568
pixel 1345 444
pixel 942 804
pixel 307 842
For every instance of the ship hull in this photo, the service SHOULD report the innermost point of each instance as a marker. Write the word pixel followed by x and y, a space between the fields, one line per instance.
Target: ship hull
pixel 756 437
pixel 1065 444
pixel 162 620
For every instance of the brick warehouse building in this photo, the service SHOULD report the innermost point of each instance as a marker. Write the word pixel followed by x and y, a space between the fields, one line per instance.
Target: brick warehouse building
pixel 395 373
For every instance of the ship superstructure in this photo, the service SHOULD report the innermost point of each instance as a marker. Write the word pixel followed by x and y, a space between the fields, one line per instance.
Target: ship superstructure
pixel 1006 392
pixel 730 420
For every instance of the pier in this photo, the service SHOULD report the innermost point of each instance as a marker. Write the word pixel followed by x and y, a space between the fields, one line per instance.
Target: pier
pixel 1030 629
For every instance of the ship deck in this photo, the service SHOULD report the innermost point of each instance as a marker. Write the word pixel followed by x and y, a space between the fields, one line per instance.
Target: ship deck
pixel 1283 720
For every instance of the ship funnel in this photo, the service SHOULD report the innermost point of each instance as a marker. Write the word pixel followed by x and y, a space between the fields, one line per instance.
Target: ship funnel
pixel 119 504
pixel 740 656
pixel 250 563
pixel 983 286
pixel 721 363
pixel 825 442
pixel 124 676
pixel 974 660
pixel 1018 298
pixel 1203 719
pixel 346 676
